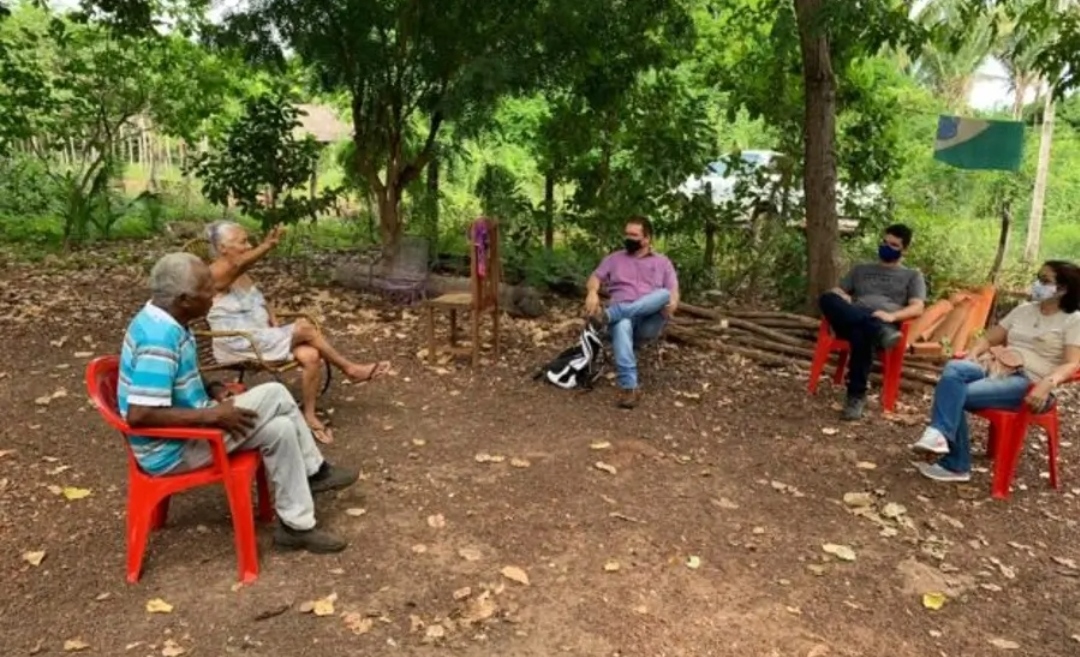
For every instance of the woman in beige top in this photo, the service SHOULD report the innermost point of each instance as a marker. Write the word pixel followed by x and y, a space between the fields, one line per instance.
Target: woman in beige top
pixel 239 305
pixel 1021 360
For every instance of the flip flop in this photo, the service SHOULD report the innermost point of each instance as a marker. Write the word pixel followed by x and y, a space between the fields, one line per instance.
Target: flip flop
pixel 380 368
pixel 322 434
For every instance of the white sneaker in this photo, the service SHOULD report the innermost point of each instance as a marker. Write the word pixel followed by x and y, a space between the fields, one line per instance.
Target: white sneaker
pixel 932 441
pixel 939 473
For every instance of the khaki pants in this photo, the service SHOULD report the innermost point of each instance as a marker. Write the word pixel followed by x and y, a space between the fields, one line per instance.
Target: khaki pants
pixel 288 450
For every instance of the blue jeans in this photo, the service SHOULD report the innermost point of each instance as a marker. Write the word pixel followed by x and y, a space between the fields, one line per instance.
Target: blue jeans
pixel 964 386
pixel 633 323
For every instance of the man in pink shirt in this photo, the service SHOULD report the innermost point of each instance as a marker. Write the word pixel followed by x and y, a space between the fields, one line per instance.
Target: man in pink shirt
pixel 644 293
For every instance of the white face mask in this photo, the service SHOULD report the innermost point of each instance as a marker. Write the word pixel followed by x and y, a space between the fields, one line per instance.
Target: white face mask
pixel 1043 291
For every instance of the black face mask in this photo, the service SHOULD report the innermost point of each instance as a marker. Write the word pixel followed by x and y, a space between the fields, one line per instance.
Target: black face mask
pixel 632 246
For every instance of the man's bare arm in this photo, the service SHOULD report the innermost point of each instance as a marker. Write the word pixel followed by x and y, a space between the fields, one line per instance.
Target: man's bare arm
pixel 592 286
pixel 910 311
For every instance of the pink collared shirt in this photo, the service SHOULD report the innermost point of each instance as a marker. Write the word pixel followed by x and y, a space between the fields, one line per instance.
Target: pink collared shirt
pixel 628 278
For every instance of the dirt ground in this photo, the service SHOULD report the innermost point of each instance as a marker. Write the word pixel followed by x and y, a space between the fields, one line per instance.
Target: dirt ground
pixel 705 536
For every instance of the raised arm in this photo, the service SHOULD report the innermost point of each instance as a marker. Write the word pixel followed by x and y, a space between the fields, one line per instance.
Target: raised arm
pixel 226 270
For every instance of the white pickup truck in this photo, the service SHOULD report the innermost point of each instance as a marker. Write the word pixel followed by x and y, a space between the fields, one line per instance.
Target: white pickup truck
pixel 761 190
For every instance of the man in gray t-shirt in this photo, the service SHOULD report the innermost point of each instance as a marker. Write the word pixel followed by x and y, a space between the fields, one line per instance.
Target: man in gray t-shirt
pixel 868 306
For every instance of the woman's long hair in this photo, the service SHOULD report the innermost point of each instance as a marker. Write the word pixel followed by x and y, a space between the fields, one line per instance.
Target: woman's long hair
pixel 1067 277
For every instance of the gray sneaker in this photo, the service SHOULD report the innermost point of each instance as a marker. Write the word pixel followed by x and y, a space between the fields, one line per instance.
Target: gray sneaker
pixel 888 337
pixel 940 473
pixel 313 540
pixel 854 408
pixel 331 477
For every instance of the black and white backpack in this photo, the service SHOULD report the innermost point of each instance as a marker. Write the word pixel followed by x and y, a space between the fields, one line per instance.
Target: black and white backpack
pixel 579 366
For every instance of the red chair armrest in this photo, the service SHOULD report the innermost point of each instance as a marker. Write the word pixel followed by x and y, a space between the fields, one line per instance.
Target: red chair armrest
pixel 177 433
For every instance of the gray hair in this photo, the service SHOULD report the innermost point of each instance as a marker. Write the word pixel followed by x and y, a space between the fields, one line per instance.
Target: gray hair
pixel 175 274
pixel 218 232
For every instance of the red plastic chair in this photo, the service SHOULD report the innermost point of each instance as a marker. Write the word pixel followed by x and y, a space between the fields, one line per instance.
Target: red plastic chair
pixel 892 362
pixel 1005 444
pixel 148 496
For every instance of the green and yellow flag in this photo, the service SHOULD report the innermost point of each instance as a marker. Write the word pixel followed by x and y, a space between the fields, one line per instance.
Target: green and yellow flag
pixel 979 144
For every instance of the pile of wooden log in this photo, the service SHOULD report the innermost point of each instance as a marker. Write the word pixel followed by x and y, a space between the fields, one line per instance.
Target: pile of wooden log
pixel 774 339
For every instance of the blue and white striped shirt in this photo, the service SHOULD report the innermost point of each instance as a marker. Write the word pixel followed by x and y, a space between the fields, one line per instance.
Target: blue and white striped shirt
pixel 159 366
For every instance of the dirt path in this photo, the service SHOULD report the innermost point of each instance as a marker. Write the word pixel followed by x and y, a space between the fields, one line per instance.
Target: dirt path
pixel 705 540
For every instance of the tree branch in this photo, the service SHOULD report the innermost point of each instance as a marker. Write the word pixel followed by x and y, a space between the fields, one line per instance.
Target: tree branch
pixel 412 171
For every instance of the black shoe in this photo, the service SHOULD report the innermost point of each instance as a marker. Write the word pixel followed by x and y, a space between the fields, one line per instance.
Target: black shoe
pixel 330 477
pixel 888 337
pixel 853 409
pixel 313 540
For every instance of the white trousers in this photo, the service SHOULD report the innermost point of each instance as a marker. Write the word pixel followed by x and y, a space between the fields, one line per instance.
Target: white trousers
pixel 288 450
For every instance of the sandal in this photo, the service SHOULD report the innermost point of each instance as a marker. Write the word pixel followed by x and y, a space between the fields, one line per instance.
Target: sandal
pixel 322 434
pixel 375 372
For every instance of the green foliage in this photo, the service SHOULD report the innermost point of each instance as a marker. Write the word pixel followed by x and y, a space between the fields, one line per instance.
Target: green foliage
pixel 260 163
pixel 75 86
pixel 568 115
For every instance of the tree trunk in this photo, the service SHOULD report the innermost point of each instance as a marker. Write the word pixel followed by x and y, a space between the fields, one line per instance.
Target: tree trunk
pixel 155 144
pixel 1020 85
pixel 1042 176
pixel 1003 241
pixel 819 135
pixel 389 224
pixel 433 175
pixel 709 257
pixel 549 210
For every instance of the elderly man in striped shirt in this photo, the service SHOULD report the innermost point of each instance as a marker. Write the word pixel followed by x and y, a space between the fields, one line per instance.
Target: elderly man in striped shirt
pixel 160 386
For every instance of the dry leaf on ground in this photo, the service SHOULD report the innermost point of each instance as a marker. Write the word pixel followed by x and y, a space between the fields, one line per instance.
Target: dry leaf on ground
pixel 515 574
pixel 612 566
pixel 158 606
pixel 859 499
pixel 934 600
pixel 1004 644
pixel 600 444
pixel 480 608
pixel 172 649
pixel 892 510
pixel 434 633
pixel 358 623
pixel 320 607
pixel 470 554
pixel 75 645
pixel 842 552
pixel 725 503
pixel 72 493
pixel 355 512
pixel 600 465
pixel 34 558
